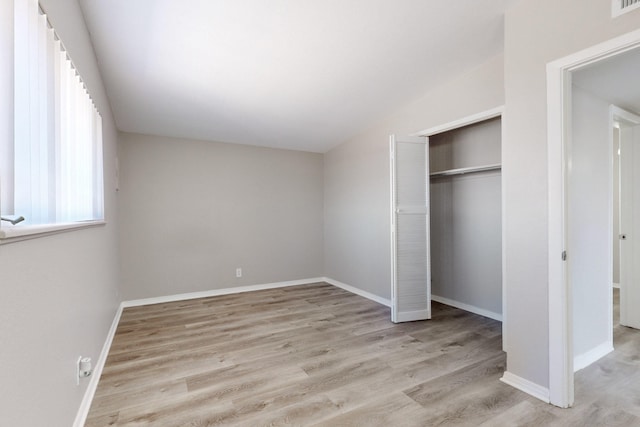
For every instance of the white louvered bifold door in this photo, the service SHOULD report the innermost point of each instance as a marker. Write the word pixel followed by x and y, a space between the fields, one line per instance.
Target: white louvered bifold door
pixel 411 275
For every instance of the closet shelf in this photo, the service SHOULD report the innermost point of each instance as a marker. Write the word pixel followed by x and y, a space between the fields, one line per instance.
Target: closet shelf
pixel 461 171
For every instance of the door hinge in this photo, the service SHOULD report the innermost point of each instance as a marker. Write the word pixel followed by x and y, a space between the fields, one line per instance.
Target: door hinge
pixel 564 255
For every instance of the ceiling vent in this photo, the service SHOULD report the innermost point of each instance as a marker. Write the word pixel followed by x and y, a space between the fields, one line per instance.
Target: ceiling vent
pixel 618 7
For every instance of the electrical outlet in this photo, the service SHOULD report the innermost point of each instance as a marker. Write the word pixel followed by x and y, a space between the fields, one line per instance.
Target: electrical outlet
pixel 78 370
pixel 238 272
pixel 83 368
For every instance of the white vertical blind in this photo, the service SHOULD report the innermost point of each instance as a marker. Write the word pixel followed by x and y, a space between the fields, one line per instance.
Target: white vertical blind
pixel 57 129
pixel 6 108
pixel 22 102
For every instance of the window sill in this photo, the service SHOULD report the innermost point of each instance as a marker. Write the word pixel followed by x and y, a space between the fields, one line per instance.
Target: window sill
pixel 19 233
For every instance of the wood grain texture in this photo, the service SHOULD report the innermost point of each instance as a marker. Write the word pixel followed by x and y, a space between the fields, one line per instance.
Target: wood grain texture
pixel 316 355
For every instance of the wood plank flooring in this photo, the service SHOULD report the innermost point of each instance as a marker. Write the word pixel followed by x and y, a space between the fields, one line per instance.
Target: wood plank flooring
pixel 317 355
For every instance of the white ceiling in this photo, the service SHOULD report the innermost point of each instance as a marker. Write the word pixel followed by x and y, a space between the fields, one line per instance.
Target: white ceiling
pixel 297 74
pixel 614 79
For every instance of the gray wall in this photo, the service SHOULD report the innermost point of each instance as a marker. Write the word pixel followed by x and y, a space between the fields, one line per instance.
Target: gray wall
pixel 58 295
pixel 537 32
pixel 589 229
pixel 194 211
pixel 466 217
pixel 356 178
pixel 474 145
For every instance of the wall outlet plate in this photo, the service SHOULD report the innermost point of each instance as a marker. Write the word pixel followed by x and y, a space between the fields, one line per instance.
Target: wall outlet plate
pixel 78 370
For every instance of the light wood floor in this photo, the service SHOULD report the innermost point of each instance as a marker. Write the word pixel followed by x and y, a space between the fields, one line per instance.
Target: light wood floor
pixel 316 355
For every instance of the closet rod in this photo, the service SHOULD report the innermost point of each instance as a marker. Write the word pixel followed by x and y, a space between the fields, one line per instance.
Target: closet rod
pixel 462 171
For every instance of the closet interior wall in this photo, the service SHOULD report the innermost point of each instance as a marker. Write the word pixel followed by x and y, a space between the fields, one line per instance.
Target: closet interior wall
pixel 466 220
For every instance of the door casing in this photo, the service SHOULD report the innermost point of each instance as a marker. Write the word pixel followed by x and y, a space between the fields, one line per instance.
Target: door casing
pixel 561 384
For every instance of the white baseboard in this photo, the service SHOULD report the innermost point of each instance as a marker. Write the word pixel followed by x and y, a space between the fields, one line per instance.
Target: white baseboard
pixel 357 291
pixel 85 405
pixel 526 386
pixel 467 307
pixel 583 360
pixel 218 292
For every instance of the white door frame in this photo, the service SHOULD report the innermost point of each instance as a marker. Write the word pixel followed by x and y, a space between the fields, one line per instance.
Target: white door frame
pixel 561 392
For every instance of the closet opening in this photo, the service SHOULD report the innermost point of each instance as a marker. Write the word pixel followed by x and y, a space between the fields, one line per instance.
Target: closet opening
pixel 446 219
pixel 466 218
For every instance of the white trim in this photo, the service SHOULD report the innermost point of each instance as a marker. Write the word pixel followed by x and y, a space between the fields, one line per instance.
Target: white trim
pixel 85 405
pixel 465 121
pixel 583 360
pixel 392 222
pixel 624 115
pixel 527 386
pixel 503 229
pixel 558 112
pixel 354 290
pixel 560 361
pixel 218 292
pixel 466 307
pixel 598 52
pixel 610 177
pixel 9 234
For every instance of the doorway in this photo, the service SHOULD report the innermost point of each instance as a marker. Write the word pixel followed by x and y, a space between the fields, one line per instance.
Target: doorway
pixel 446 191
pixel 580 231
pixel 628 139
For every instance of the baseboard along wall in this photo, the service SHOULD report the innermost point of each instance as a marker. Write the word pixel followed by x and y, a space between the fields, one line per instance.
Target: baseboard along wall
pixel 87 399
pixel 526 386
pixel 358 291
pixel 85 405
pixel 218 292
pixel 583 360
pixel 508 378
pixel 467 307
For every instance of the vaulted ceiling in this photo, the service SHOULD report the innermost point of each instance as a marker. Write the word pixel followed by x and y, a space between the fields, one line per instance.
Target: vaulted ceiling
pixel 296 74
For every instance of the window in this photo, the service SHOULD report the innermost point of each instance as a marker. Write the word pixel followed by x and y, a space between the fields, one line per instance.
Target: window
pixel 51 170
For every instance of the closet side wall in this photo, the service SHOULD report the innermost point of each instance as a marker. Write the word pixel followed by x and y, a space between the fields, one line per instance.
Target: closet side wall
pixel 589 228
pixel 466 222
